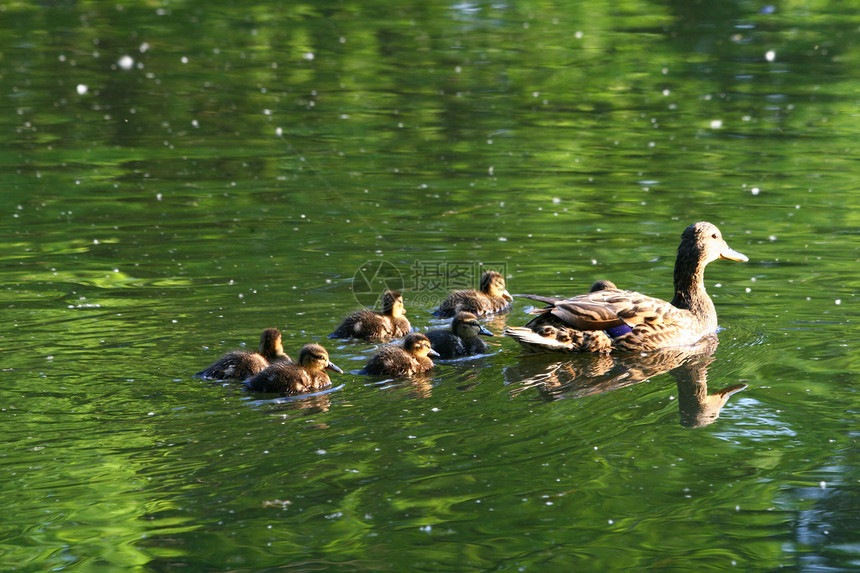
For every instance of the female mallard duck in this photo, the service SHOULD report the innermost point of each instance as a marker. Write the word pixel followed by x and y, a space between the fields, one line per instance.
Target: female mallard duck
pixel 493 297
pixel 368 324
pixel 461 339
pixel 411 358
pixel 241 364
pixel 285 378
pixel 612 319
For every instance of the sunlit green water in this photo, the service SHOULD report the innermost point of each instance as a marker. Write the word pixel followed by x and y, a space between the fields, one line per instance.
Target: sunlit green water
pixel 251 161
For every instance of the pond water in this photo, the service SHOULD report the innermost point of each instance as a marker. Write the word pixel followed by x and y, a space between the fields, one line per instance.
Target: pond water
pixel 177 178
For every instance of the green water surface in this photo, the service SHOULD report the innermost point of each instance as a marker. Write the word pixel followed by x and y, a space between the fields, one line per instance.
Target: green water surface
pixel 178 176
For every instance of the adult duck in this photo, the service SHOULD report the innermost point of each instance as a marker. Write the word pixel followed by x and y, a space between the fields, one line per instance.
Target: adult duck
pixel 241 364
pixel 286 379
pixel 619 320
pixel 492 297
pixel 462 339
pixel 411 358
pixel 372 325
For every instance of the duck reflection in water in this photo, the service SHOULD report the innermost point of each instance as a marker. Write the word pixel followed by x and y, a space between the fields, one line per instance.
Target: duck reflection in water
pixel 587 375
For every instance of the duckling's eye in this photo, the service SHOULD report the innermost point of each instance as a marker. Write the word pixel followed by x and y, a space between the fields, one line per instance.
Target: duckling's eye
pixel 714 236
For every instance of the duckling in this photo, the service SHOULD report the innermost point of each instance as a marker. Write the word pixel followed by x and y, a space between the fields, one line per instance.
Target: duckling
pixel 462 338
pixel 493 297
pixel 602 284
pixel 286 378
pixel 242 364
pixel 368 324
pixel 409 359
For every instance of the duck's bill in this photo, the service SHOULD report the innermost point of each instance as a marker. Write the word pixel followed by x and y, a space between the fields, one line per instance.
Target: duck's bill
pixel 506 295
pixel 433 353
pixel 333 368
pixel 733 255
pixel 485 331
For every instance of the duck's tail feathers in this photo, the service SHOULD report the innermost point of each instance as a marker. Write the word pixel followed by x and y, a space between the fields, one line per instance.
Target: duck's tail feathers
pixel 539 298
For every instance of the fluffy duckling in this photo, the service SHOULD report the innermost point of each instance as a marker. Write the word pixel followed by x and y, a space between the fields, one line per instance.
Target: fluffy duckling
pixel 285 378
pixel 602 285
pixel 493 297
pixel 242 364
pixel 411 358
pixel 368 324
pixel 462 338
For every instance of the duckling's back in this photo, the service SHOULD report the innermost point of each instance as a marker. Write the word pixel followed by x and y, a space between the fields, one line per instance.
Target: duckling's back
pixel 285 379
pixel 393 361
pixel 238 364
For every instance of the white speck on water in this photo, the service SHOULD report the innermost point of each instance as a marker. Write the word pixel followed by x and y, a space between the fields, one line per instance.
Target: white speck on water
pixel 426 528
pixel 184 59
pixel 82 89
pixel 748 290
pixel 434 409
pixel 503 239
pixel 578 34
pixel 322 452
pixel 771 238
pixel 822 484
pixel 593 261
pixel 279 131
pixel 755 190
pixel 308 56
pixel 195 123
pixel 838 301
pixel 457 69
pixel 144 47
pixel 610 522
pixel 716 123
pixel 718 285
pixel 770 55
pixel 126 62
pixel 666 92
pixel 490 170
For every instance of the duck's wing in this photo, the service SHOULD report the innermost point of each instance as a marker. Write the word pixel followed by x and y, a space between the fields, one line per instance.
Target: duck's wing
pixel 606 309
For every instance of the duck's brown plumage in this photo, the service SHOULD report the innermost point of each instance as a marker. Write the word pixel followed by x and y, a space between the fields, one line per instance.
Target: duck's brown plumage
pixel 411 358
pixel 368 324
pixel 309 375
pixel 241 364
pixel 462 339
pixel 652 323
pixel 492 297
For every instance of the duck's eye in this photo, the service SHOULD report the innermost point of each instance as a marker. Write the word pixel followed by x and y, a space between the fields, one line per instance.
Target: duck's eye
pixel 714 236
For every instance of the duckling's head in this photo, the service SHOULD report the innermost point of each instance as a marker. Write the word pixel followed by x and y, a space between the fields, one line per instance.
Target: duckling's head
pixel 315 357
pixel 493 284
pixel 270 342
pixel 392 304
pixel 602 285
pixel 466 325
pixel 702 243
pixel 418 345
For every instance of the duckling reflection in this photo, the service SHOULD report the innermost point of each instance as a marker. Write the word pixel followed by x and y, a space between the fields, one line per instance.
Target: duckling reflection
pixel 492 297
pixel 287 379
pixel 461 339
pixel 587 375
pixel 411 358
pixel 370 325
pixel 240 364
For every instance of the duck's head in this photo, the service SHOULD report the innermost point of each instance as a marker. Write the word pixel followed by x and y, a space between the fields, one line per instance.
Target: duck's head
pixel 392 304
pixel 466 325
pixel 315 357
pixel 418 345
pixel 270 342
pixel 602 285
pixel 493 284
pixel 702 242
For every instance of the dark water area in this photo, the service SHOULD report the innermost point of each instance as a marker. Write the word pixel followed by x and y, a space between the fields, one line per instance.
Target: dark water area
pixel 176 177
